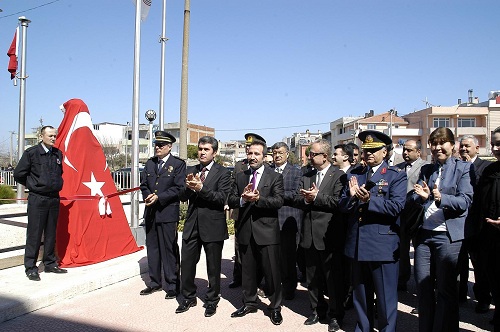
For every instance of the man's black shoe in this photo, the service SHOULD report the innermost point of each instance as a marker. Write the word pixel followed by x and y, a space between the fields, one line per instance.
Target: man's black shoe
pixel 234 284
pixel 276 317
pixel 414 311
pixel 261 293
pixel 482 308
pixel 150 290
pixel 334 325
pixel 210 310
pixel 185 305
pixel 55 269
pixel 243 311
pixel 313 319
pixel 171 294
pixel 34 276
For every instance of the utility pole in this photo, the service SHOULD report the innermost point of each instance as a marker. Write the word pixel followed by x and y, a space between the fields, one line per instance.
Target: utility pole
pixel 184 84
pixel 11 151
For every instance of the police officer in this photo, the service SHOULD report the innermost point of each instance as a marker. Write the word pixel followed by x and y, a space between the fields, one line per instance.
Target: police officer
pixel 163 178
pixel 374 198
pixel 40 170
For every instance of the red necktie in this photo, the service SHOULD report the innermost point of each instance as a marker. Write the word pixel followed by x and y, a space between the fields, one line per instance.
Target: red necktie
pixel 202 175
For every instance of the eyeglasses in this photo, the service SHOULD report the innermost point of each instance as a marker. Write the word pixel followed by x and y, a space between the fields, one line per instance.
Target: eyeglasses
pixel 372 150
pixel 160 145
pixel 314 154
pixel 278 153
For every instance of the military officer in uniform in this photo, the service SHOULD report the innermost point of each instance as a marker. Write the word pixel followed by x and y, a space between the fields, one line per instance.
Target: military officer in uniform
pixel 163 178
pixel 374 199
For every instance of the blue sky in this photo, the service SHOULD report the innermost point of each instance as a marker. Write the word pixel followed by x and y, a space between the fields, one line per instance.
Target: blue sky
pixel 253 64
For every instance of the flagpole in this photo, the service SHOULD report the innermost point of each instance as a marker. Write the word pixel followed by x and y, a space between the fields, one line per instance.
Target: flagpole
pixel 163 41
pixel 184 84
pixel 134 199
pixel 22 100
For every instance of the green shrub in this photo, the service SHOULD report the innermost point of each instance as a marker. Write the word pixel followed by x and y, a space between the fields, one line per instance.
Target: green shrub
pixel 183 214
pixel 7 194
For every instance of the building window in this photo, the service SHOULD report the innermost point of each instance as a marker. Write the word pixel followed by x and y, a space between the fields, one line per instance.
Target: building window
pixel 466 122
pixel 371 126
pixel 96 127
pixel 441 122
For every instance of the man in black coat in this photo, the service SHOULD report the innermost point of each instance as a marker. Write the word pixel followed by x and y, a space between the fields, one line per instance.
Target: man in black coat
pixel 323 234
pixel 258 192
pixel 207 187
pixel 163 178
pixel 469 150
pixel 40 170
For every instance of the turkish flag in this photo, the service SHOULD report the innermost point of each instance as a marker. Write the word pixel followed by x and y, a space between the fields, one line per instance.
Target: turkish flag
pixel 12 53
pixel 87 234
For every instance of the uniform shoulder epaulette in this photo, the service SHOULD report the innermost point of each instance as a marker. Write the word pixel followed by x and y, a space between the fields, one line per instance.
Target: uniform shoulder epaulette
pixel 395 169
pixel 179 158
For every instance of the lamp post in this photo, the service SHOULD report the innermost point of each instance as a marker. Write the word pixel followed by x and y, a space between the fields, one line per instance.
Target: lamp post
pixel 150 116
pixel 126 143
pixel 391 112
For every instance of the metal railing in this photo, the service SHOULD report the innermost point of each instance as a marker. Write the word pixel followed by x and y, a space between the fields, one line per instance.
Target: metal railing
pixel 7 178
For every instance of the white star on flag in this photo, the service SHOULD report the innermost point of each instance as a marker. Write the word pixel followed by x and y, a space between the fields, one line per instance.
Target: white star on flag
pixel 95 187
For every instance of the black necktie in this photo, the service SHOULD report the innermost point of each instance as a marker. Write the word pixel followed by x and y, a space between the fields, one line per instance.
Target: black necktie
pixel 160 164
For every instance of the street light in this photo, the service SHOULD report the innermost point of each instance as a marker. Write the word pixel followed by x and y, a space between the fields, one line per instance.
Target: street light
pixel 150 116
pixel 391 112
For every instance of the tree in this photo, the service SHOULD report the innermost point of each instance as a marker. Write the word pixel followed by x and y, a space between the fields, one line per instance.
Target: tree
pixel 192 152
pixel 293 159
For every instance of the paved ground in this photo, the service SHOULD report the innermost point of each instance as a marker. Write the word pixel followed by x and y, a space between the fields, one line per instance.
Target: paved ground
pixel 105 297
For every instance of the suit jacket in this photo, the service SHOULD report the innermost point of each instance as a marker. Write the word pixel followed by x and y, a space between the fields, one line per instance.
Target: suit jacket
pixel 456 193
pixel 413 173
pixel 166 183
pixel 373 227
pixel 258 219
pixel 206 207
pixel 322 226
pixel 473 223
pixel 287 213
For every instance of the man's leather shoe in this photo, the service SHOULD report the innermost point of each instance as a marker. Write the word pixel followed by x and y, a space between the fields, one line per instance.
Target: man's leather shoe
pixel 34 276
pixel 210 310
pixel 185 305
pixel 150 290
pixel 333 325
pixel 234 284
pixel 276 317
pixel 243 311
pixel 55 269
pixel 414 311
pixel 171 294
pixel 482 308
pixel 261 293
pixel 313 319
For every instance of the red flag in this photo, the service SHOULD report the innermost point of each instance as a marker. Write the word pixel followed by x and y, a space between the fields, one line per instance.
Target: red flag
pixel 87 233
pixel 12 54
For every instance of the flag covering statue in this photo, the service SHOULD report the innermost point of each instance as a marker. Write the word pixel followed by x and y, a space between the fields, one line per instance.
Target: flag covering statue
pixel 88 230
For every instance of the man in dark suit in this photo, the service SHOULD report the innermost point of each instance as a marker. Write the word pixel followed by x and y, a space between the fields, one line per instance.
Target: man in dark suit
pixel 411 165
pixel 259 193
pixel 162 179
pixel 207 187
pixel 240 166
pixel 323 234
pixel 374 199
pixel 290 219
pixel 469 150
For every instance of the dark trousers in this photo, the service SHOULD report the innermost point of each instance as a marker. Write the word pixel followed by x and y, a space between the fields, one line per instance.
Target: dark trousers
pixel 268 258
pixel 481 285
pixel 43 212
pixel 325 275
pixel 404 257
pixel 380 278
pixel 288 244
pixel 190 254
pixel 163 250
pixel 490 256
pixel 436 272
pixel 237 263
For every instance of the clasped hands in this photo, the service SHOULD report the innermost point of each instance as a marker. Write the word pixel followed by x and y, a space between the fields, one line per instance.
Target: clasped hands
pixel 249 194
pixel 309 194
pixel 151 199
pixel 358 191
pixel 424 191
pixel 193 182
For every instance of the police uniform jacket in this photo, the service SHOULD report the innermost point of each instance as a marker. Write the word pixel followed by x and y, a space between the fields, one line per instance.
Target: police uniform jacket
pixel 206 207
pixel 40 171
pixel 166 183
pixel 373 227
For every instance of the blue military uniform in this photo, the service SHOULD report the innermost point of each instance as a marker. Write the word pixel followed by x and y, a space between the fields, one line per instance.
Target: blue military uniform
pixel 373 238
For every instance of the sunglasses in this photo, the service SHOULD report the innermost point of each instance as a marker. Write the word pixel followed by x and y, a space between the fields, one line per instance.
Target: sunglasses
pixel 314 154
pixel 160 145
